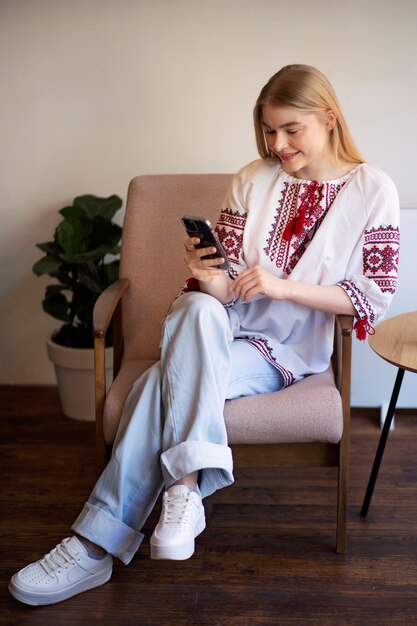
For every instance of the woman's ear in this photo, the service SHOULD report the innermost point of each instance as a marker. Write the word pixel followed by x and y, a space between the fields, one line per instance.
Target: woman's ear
pixel 331 119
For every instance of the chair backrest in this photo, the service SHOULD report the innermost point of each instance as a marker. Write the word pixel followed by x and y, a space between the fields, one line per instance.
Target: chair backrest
pixel 152 249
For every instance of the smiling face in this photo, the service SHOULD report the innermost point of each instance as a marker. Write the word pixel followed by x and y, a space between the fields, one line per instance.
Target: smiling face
pixel 301 140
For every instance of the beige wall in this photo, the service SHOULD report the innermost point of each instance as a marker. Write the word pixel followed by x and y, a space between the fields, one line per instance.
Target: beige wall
pixel 94 92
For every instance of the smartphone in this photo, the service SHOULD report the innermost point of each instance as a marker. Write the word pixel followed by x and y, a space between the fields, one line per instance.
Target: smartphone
pixel 201 227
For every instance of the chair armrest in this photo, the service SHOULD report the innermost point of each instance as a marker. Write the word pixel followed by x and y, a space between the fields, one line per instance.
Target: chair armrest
pixel 342 354
pixel 106 305
pixel 345 324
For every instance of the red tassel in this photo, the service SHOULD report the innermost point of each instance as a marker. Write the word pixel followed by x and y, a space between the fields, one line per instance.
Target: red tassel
pixel 362 328
pixel 287 234
pixel 192 284
pixel 295 226
pixel 299 222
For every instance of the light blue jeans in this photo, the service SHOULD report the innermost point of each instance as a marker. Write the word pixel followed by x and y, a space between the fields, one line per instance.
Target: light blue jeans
pixel 172 422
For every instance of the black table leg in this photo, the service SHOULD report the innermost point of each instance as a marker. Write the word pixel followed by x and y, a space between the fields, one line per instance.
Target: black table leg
pixel 382 442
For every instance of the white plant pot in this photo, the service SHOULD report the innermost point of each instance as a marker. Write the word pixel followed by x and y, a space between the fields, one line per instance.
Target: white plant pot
pixel 74 369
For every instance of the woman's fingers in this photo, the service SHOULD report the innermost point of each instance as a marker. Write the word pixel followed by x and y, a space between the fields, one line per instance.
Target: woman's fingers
pixel 190 247
pixel 201 268
pixel 190 243
pixel 246 289
pixel 243 283
pixel 256 281
pixel 250 283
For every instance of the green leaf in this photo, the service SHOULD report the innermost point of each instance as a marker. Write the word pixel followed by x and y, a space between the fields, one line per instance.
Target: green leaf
pixel 65 275
pixel 75 336
pixel 94 205
pixel 46 265
pixel 49 247
pixel 83 302
pixel 94 255
pixel 104 233
pixel 74 212
pixel 90 283
pixel 53 289
pixel 73 236
pixel 111 272
pixel 57 305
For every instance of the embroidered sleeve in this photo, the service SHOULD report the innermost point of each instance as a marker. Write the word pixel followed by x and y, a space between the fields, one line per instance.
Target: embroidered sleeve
pixel 380 254
pixel 371 291
pixel 230 229
pixel 371 279
pixel 232 221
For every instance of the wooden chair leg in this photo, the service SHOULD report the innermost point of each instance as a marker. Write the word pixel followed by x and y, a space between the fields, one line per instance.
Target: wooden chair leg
pixel 100 391
pixel 342 499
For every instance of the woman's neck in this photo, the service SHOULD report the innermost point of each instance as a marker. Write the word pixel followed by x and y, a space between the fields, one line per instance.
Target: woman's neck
pixel 322 172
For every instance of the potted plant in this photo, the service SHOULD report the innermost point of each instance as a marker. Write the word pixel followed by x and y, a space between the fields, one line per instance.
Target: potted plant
pixel 77 259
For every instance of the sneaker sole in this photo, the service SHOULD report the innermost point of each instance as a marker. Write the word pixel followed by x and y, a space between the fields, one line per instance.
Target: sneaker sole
pixel 178 553
pixel 40 599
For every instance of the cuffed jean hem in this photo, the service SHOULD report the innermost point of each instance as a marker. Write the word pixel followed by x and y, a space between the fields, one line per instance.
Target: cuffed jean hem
pixel 106 531
pixel 215 462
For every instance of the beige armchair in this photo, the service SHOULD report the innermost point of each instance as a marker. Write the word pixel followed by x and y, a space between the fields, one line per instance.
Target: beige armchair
pixel 306 424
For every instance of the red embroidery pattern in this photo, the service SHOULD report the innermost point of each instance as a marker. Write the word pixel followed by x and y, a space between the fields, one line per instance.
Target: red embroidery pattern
pixel 359 301
pixel 380 256
pixel 230 228
pixel 308 201
pixel 266 351
pixel 301 209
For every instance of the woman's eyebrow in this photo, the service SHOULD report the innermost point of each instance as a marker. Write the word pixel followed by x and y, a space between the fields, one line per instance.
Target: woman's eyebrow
pixel 290 124
pixel 286 125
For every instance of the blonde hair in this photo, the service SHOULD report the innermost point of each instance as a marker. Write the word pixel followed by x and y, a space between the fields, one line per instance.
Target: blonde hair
pixel 306 88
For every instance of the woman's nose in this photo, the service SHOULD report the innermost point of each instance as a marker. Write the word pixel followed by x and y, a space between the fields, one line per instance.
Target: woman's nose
pixel 279 143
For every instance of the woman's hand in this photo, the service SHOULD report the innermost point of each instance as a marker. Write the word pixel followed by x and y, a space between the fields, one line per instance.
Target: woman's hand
pixel 256 280
pixel 204 270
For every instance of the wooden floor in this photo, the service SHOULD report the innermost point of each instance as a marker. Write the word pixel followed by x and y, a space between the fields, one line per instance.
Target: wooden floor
pixel 267 556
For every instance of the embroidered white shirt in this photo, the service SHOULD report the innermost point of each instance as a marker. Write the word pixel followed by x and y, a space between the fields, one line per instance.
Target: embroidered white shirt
pixel 340 232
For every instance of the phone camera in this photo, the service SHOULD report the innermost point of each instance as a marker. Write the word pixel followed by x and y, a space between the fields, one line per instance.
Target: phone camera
pixel 192 227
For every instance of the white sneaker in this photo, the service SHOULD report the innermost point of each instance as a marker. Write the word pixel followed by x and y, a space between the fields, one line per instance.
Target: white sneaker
pixel 60 574
pixel 182 519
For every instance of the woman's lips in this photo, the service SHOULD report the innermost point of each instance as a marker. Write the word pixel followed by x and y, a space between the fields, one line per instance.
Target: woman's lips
pixel 288 156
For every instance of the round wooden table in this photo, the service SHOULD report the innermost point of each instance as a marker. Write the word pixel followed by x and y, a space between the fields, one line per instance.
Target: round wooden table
pixel 395 340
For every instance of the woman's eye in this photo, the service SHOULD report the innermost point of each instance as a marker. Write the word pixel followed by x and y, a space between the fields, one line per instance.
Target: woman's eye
pixel 292 132
pixel 269 132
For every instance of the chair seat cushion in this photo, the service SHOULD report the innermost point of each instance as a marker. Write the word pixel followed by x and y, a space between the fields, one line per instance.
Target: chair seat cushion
pixel 309 410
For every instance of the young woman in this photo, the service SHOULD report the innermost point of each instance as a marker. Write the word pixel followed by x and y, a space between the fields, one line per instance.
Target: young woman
pixel 311 231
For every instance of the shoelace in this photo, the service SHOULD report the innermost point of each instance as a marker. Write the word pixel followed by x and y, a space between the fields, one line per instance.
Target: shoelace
pixel 176 509
pixel 58 557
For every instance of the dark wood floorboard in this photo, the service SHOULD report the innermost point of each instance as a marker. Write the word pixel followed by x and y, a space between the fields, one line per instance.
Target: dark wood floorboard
pixel 267 556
